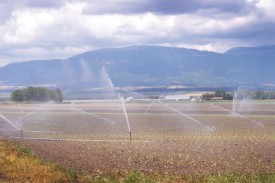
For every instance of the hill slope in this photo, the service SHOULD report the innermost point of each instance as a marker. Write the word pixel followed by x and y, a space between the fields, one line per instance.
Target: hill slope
pixel 147 65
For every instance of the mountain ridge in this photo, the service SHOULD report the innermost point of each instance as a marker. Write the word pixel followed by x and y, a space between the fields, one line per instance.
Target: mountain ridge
pixel 147 65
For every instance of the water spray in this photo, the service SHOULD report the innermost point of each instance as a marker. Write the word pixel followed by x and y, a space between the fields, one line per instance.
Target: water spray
pixel 92 114
pixel 239 115
pixel 126 117
pixel 10 122
pixel 33 111
pixel 183 114
pixel 149 106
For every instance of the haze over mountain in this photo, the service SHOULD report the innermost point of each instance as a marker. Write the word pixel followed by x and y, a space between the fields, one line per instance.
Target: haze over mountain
pixel 147 65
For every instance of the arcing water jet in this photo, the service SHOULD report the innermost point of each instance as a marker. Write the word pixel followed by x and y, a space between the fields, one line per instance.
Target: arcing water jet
pixel 85 112
pixel 240 115
pixel 181 113
pixel 126 117
pixel 149 107
pixel 10 122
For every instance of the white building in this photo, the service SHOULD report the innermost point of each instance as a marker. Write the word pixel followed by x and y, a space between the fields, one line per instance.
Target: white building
pixel 177 97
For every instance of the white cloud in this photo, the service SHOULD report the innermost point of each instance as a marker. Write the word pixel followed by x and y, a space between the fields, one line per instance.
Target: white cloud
pixel 268 6
pixel 57 29
pixel 25 26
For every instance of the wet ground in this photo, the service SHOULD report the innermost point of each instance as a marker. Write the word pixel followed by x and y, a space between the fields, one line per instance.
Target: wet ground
pixel 168 137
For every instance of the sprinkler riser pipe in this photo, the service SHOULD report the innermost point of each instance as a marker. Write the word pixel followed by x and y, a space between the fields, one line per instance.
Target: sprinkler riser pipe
pixel 130 136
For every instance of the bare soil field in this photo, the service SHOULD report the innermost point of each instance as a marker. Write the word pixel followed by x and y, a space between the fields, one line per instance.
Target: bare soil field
pixel 167 137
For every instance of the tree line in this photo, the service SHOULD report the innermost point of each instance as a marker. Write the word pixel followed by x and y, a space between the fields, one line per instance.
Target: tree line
pixel 218 93
pixel 37 94
pixel 251 94
pixel 260 95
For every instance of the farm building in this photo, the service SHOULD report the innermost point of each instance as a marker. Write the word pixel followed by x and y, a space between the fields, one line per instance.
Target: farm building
pixel 194 96
pixel 177 97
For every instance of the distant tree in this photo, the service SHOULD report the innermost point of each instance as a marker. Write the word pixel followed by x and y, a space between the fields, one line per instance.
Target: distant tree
pixel 207 96
pixel 17 95
pixel 250 94
pixel 228 96
pixel 154 97
pixel 37 94
pixel 56 95
pixel 29 93
pixel 218 93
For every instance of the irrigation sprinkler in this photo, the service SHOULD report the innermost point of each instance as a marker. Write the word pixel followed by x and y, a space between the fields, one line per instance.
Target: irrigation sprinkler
pixel 21 133
pixel 130 136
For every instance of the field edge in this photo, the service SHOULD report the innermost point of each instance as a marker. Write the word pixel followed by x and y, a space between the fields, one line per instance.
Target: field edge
pixel 16 160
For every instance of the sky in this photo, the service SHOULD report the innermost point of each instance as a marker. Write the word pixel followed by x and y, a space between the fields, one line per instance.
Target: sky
pixel 47 29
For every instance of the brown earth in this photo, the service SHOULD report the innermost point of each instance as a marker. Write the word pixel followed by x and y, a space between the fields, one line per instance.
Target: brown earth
pixel 164 141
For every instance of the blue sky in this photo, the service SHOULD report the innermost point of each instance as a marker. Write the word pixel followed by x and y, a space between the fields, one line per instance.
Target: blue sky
pixel 39 29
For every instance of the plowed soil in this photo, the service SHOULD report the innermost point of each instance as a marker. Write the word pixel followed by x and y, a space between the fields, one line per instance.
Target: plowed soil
pixel 165 138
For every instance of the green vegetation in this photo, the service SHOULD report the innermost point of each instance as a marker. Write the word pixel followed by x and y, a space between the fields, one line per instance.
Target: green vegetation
pixel 139 177
pixel 37 94
pixel 218 93
pixel 251 94
pixel 111 177
pixel 19 164
pixel 256 94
